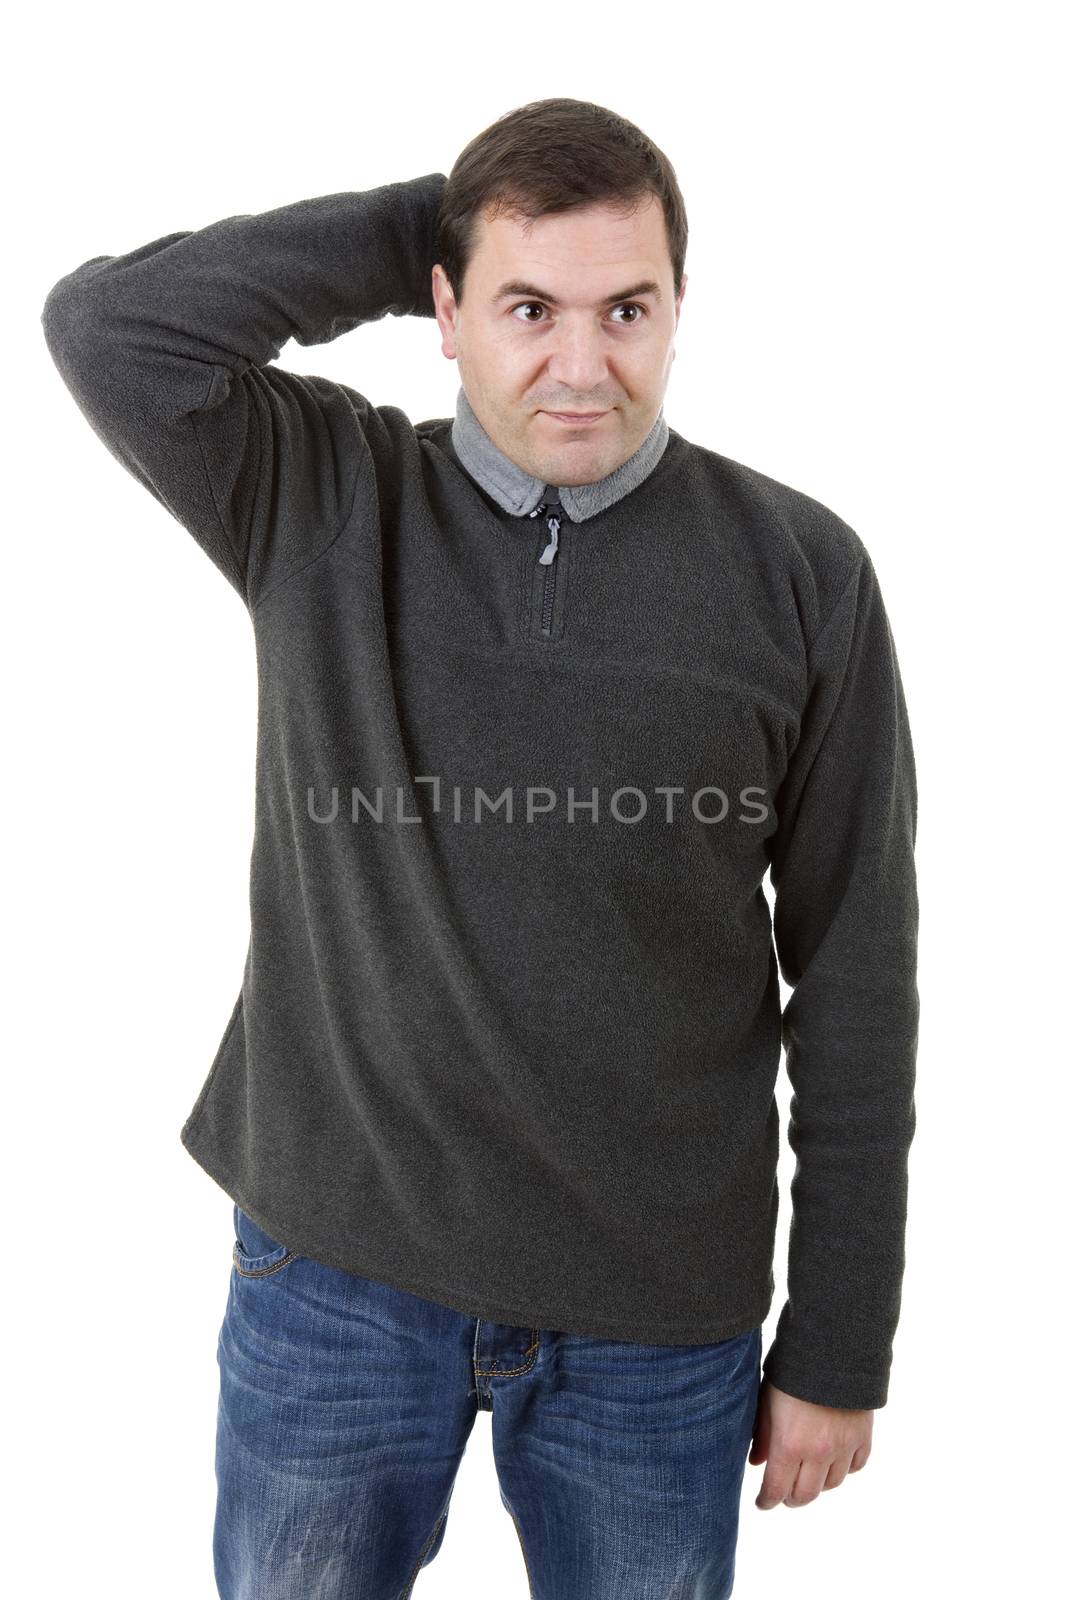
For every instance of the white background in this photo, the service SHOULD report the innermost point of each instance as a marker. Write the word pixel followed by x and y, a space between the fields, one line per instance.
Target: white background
pixel 870 317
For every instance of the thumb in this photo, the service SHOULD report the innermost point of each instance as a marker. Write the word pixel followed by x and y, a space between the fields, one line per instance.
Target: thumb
pixel 760 1432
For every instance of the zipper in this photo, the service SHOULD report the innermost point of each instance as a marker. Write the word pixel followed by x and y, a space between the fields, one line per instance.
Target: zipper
pixel 553 511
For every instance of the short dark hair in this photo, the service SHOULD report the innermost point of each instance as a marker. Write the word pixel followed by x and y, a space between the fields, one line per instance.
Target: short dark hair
pixel 551 156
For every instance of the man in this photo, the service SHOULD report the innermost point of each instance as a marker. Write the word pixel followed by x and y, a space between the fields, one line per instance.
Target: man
pixel 545 690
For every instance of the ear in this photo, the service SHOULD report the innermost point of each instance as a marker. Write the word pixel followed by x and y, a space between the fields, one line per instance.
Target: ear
pixel 445 309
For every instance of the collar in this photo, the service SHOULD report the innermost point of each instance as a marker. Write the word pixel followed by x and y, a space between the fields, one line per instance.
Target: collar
pixel 520 493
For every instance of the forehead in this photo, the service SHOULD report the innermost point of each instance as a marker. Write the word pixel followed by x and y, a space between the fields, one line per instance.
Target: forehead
pixel 586 245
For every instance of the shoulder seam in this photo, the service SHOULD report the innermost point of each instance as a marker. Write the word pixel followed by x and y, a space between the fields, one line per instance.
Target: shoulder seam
pixel 342 524
pixel 232 560
pixel 835 607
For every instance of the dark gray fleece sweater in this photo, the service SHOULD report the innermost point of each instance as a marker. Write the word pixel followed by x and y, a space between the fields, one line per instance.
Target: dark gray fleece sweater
pixel 510 1025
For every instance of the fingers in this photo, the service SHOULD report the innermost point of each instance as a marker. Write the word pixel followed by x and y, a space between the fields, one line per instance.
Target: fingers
pixel 797 1482
pixel 779 1482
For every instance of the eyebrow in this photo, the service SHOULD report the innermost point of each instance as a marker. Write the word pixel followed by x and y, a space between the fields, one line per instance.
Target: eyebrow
pixel 514 287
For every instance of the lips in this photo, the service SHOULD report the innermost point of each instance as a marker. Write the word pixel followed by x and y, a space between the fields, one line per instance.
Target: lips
pixel 576 416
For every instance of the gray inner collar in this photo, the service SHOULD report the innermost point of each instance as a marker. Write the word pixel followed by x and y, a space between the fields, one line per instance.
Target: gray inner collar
pixel 520 493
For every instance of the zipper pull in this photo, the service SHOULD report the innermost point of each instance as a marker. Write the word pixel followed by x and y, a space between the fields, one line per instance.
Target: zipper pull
pixel 548 554
pixel 550 504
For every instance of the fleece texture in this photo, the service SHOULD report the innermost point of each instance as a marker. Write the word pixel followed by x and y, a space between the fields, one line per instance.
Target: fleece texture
pixel 510 1020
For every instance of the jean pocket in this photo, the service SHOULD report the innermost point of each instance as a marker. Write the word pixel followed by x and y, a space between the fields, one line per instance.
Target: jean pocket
pixel 255 1253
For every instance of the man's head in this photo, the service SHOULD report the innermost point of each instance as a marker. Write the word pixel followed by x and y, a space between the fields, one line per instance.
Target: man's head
pixel 560 276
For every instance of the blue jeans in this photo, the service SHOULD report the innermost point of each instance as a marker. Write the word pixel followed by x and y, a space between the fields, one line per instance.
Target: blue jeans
pixel 345 1407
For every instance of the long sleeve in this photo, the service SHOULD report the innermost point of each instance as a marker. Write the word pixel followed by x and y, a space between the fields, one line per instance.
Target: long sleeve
pixel 846 930
pixel 165 351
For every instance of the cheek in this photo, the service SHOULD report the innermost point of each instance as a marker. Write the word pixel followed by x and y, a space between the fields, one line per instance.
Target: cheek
pixel 499 364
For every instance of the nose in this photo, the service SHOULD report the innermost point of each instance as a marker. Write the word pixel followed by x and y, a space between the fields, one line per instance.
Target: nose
pixel 578 363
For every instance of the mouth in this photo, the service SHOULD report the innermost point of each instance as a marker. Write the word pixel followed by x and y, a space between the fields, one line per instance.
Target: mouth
pixel 576 419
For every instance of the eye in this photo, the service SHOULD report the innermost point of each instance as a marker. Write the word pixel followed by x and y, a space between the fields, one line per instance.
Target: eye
pixel 524 306
pixel 624 305
pixel 630 305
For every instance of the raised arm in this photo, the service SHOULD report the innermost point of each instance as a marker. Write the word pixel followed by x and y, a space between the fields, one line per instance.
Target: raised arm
pixel 165 350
